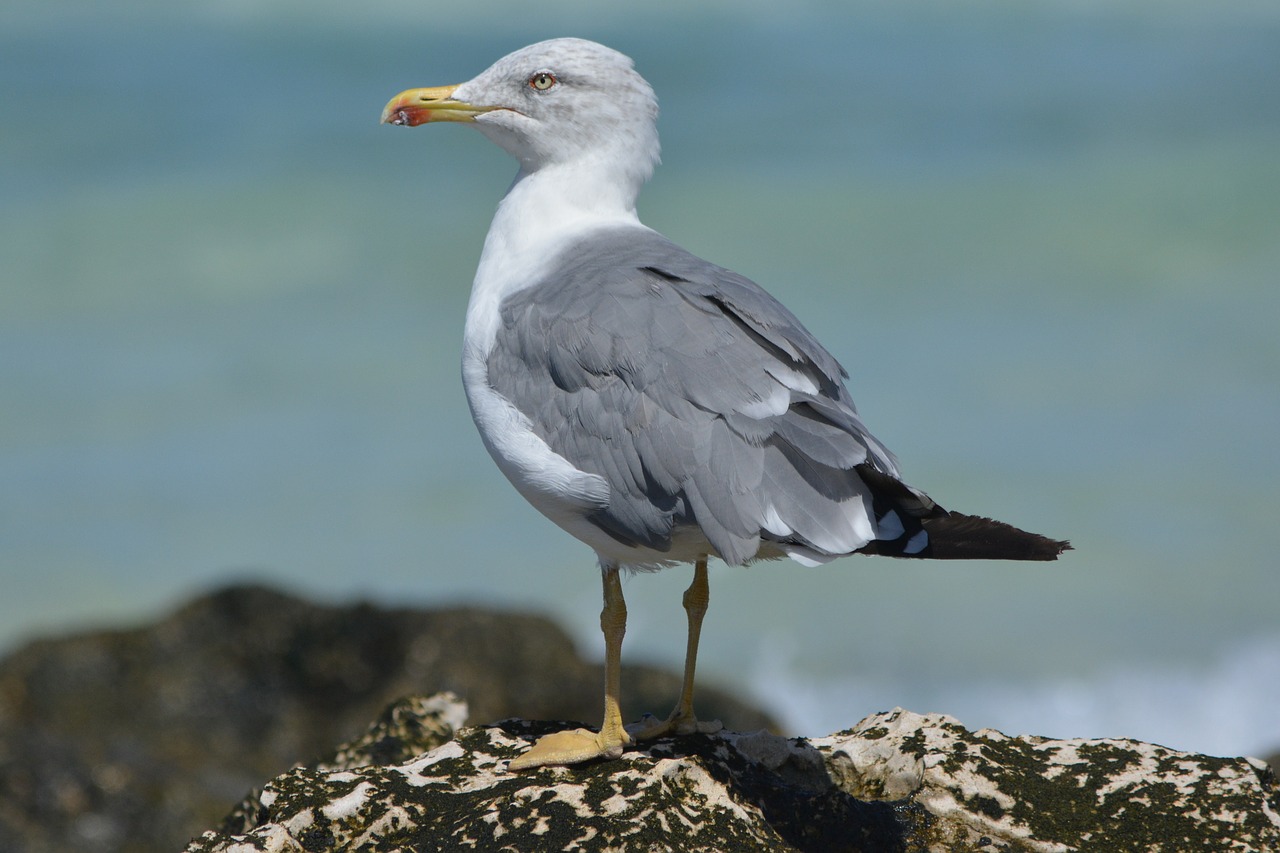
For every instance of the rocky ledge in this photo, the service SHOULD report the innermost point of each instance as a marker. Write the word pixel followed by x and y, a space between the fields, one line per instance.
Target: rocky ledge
pixel 132 740
pixel 897 781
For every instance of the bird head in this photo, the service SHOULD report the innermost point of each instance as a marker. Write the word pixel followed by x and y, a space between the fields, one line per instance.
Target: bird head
pixel 557 102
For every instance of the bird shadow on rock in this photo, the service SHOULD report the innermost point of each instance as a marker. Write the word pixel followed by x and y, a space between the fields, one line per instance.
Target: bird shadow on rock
pixel 777 790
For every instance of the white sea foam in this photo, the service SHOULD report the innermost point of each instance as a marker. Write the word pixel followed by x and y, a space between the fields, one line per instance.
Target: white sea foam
pixel 1230 706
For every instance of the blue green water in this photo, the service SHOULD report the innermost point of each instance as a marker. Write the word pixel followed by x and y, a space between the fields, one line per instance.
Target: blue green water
pixel 1045 241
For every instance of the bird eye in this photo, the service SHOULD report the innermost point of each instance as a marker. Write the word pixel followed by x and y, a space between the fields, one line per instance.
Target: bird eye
pixel 542 81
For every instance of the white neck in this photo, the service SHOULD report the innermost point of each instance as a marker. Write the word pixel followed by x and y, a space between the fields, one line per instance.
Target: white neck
pixel 542 211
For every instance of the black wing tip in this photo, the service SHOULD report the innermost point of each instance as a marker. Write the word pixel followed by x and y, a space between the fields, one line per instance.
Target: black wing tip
pixel 956 536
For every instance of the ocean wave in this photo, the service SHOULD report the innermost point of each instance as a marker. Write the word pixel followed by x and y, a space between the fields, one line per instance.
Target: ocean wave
pixel 1229 706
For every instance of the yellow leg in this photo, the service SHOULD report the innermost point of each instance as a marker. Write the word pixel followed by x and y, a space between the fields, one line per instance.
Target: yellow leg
pixel 682 720
pixel 613 622
pixel 578 745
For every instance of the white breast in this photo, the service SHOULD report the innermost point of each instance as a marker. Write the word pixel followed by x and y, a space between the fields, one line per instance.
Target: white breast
pixel 533 223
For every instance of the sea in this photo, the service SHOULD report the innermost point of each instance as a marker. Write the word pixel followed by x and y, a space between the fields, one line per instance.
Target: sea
pixel 1043 238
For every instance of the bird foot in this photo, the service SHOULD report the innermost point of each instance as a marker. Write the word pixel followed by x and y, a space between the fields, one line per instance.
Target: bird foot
pixel 570 747
pixel 650 727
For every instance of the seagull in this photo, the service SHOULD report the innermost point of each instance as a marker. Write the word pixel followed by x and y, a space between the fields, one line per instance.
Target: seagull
pixel 659 408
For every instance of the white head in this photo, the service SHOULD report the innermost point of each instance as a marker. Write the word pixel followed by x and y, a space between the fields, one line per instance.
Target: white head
pixel 564 102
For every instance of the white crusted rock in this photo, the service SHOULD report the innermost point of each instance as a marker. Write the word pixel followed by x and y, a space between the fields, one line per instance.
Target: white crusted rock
pixel 986 788
pixel 897 781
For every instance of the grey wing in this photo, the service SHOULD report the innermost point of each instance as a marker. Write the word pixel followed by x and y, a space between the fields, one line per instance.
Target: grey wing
pixel 696 396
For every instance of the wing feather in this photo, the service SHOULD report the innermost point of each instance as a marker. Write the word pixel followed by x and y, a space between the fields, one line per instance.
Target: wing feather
pixel 695 395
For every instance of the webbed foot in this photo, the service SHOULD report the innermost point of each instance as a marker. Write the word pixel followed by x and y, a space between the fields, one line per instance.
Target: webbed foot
pixel 677 724
pixel 573 746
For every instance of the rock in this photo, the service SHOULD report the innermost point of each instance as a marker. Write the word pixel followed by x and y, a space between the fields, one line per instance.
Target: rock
pixel 1033 793
pixel 897 781
pixel 137 739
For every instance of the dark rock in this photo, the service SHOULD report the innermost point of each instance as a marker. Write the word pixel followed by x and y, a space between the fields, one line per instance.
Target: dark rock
pixel 896 782
pixel 134 740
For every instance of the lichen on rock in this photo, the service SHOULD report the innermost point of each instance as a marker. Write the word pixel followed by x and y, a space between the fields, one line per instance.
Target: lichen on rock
pixel 1038 794
pixel 897 781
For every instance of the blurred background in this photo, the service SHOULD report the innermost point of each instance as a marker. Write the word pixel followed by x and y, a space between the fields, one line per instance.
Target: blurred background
pixel 1043 239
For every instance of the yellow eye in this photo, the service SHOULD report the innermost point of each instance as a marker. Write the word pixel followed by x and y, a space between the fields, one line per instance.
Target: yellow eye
pixel 542 81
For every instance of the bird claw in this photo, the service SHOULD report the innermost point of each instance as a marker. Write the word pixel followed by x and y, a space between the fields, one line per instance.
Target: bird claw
pixel 569 747
pixel 649 727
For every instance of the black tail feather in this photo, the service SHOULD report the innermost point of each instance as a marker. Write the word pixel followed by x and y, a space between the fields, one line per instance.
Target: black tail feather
pixel 956 536
pixel 949 535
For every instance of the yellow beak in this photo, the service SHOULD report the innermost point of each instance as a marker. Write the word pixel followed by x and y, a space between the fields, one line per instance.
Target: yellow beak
pixel 419 106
